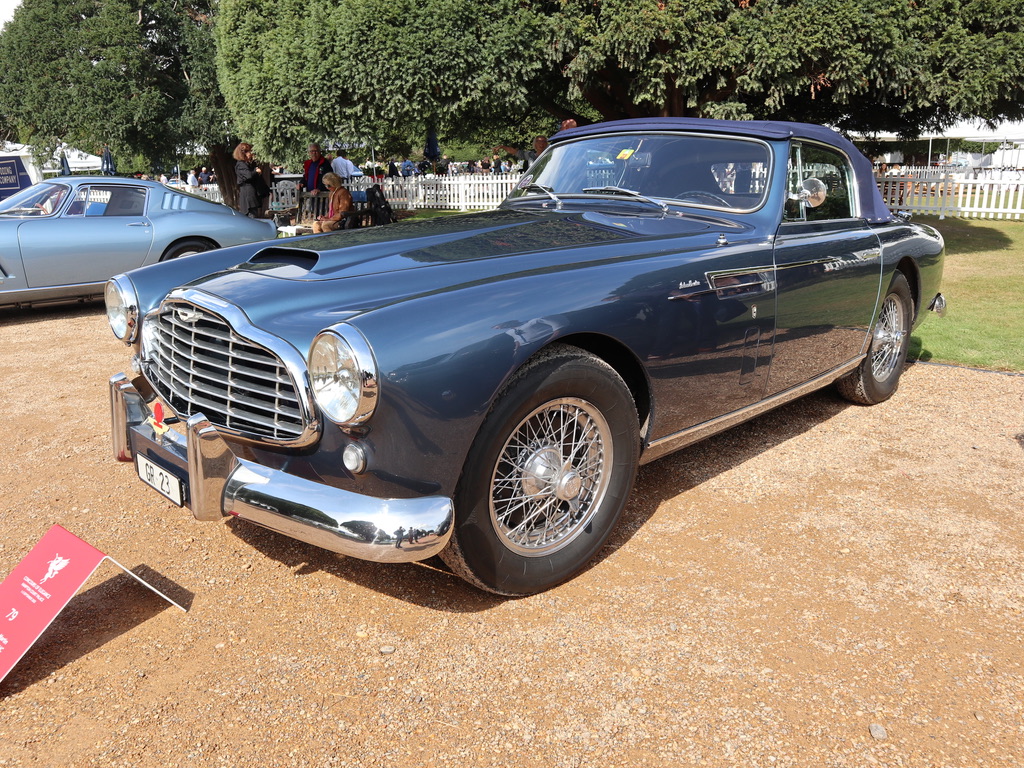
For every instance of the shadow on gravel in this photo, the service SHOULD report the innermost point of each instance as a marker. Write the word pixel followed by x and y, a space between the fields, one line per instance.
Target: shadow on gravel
pixel 91 620
pixel 686 469
pixel 44 314
pixel 428 584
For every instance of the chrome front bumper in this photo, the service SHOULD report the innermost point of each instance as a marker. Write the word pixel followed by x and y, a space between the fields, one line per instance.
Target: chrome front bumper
pixel 218 483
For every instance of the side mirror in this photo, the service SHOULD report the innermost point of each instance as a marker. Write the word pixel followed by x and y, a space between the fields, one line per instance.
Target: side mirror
pixel 813 192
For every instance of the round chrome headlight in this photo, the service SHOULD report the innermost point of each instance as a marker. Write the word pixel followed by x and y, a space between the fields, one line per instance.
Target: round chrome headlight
pixel 122 308
pixel 343 375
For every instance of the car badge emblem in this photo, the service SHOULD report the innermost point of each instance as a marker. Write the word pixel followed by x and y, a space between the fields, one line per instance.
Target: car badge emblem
pixel 156 421
pixel 190 316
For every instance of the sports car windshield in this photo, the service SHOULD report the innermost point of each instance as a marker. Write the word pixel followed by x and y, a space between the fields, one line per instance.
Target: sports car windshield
pixel 682 169
pixel 37 200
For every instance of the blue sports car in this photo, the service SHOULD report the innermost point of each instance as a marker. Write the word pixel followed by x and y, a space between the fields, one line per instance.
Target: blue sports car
pixel 63 239
pixel 484 387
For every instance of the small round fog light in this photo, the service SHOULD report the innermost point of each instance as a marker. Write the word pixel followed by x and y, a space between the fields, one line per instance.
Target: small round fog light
pixel 354 458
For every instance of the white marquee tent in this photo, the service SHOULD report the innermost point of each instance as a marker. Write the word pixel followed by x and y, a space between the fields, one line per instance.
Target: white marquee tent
pixel 1006 141
pixel 78 160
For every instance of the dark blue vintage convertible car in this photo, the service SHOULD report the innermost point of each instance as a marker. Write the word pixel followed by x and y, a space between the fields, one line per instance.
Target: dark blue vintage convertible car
pixel 483 387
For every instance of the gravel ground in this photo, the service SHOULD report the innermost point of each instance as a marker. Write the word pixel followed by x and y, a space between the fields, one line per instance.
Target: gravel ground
pixel 829 585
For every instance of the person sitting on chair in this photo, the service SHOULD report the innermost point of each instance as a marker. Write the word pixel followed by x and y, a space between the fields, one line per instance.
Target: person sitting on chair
pixel 339 202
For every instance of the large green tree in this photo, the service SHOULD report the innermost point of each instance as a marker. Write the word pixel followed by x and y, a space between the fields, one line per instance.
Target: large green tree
pixel 138 75
pixel 369 70
pixel 296 69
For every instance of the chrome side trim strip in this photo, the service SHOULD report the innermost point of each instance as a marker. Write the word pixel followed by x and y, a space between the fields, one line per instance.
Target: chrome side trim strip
pixel 666 445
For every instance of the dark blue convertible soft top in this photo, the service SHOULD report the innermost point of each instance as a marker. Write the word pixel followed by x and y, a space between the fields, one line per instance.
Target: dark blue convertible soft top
pixel 872 207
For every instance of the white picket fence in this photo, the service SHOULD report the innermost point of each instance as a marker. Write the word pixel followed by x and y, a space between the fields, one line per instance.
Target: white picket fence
pixel 991 194
pixel 465 192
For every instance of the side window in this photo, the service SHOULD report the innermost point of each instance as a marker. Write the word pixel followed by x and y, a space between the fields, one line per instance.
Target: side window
pixel 810 161
pixel 89 201
pixel 125 201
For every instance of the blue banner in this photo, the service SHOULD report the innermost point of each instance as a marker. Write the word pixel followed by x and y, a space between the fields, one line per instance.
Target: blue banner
pixel 13 176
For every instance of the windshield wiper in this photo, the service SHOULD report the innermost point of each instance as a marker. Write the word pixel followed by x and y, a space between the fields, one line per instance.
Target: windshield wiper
pixel 611 190
pixel 546 190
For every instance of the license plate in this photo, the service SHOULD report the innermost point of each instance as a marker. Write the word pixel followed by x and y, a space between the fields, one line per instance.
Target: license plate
pixel 160 480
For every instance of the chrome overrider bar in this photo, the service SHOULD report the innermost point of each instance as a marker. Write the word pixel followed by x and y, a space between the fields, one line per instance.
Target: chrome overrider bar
pixel 219 484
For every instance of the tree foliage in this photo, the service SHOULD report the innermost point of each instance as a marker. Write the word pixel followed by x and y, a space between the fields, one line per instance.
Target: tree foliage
pixel 146 77
pixel 295 70
pixel 367 70
pixel 137 75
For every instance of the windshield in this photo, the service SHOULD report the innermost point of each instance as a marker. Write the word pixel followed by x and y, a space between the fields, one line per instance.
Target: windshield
pixel 685 169
pixel 38 200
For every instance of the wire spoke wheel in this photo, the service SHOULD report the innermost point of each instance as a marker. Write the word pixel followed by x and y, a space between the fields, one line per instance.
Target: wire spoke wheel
pixel 878 376
pixel 548 474
pixel 550 477
pixel 890 331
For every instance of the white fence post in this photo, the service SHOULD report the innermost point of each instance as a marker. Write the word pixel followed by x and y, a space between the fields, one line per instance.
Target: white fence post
pixel 990 194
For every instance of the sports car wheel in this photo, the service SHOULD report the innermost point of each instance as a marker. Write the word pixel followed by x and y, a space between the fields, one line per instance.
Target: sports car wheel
pixel 547 476
pixel 187 248
pixel 877 378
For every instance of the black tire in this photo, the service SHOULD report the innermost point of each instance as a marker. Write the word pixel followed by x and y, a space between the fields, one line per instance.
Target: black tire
pixel 187 247
pixel 547 477
pixel 878 376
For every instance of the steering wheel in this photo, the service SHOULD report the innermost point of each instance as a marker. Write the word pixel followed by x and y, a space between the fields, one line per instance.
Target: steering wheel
pixel 700 196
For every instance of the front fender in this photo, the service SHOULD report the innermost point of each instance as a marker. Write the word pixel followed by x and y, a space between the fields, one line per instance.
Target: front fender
pixel 433 404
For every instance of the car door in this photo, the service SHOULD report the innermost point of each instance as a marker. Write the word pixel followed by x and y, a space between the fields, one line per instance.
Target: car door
pixel 101 231
pixel 828 270
pixel 712 341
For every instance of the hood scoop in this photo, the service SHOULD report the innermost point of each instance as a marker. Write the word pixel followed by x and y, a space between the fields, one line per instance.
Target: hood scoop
pixel 282 262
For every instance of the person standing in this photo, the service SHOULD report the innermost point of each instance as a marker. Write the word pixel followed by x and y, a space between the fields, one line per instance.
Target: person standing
pixel 343 167
pixel 313 170
pixel 252 189
pixel 192 180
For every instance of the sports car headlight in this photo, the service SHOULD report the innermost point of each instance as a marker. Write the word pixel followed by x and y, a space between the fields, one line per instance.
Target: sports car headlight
pixel 343 375
pixel 122 308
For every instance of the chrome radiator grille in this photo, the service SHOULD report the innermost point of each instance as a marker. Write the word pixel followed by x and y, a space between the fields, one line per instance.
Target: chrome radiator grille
pixel 200 363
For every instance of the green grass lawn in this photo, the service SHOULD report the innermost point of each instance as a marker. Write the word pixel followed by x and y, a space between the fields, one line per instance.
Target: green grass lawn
pixel 983 283
pixel 431 213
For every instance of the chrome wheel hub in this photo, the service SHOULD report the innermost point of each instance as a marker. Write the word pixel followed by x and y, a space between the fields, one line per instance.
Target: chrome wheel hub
pixel 550 477
pixel 545 473
pixel 887 345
